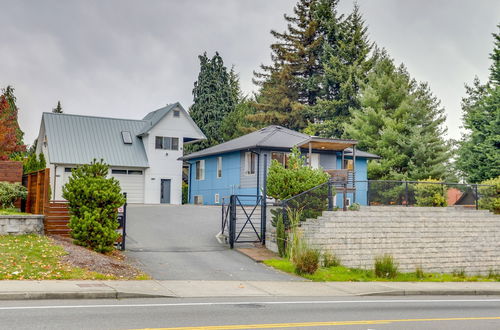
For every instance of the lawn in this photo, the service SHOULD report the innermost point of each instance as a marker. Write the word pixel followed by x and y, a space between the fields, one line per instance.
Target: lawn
pixel 343 274
pixel 11 211
pixel 33 257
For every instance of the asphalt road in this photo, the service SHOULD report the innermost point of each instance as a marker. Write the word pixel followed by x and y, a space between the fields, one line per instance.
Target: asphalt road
pixel 256 313
pixel 178 243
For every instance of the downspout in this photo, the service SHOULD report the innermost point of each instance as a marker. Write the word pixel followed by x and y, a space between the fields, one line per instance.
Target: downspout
pixel 54 190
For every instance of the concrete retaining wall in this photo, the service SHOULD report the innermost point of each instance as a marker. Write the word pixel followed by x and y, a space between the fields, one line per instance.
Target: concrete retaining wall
pixel 21 224
pixel 436 239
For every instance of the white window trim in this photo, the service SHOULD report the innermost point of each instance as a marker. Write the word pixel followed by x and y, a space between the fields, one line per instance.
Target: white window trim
pixel 217 199
pixel 202 172
pixel 248 158
pixel 218 174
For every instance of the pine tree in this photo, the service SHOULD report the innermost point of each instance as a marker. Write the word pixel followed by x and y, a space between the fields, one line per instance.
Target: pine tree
pixel 8 92
pixel 214 98
pixel 401 121
pixel 58 108
pixel 479 150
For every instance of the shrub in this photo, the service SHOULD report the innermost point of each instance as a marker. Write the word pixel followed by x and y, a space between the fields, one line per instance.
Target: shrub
pixel 490 196
pixel 354 207
pixel 281 236
pixel 283 183
pixel 429 194
pixel 185 190
pixel 9 193
pixel 385 267
pixel 330 260
pixel 419 273
pixel 306 261
pixel 93 202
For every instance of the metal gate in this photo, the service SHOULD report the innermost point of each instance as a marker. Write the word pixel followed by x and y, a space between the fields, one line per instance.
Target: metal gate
pixel 244 219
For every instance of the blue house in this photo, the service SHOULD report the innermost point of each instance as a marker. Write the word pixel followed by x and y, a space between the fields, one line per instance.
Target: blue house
pixel 237 166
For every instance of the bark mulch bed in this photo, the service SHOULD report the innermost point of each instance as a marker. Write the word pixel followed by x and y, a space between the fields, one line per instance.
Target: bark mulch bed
pixel 113 263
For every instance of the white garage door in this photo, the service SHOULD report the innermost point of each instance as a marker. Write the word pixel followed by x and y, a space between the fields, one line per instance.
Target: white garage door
pixel 131 182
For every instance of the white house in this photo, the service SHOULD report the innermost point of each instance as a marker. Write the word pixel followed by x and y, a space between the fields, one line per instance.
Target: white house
pixel 143 154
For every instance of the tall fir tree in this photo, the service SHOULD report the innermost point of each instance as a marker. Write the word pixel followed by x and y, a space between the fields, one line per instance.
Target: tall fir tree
pixel 58 108
pixel 401 121
pixel 214 98
pixel 8 92
pixel 479 150
pixel 346 62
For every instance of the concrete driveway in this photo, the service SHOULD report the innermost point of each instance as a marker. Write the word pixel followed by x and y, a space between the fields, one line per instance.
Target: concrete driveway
pixel 178 243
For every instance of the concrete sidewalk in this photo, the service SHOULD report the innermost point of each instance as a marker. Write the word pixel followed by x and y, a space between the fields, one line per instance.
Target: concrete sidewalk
pixel 18 290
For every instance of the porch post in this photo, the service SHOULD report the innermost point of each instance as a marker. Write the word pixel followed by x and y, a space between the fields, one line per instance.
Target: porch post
pixel 310 155
pixel 354 173
pixel 258 173
pixel 342 162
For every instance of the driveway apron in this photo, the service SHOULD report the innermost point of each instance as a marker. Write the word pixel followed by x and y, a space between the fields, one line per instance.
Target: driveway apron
pixel 173 242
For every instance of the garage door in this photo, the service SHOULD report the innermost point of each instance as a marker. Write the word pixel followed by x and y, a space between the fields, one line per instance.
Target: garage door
pixel 131 182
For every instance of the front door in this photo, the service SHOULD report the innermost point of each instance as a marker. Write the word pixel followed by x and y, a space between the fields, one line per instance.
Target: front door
pixel 165 191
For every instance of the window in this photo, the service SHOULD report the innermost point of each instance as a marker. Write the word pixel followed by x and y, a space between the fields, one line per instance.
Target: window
pixel 219 167
pixel 130 172
pixel 68 169
pixel 198 199
pixel 200 170
pixel 250 163
pixel 166 143
pixel 126 137
pixel 280 157
pixel 177 113
pixel 217 199
pixel 348 164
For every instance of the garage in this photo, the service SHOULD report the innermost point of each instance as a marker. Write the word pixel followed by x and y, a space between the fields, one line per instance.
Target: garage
pixel 131 182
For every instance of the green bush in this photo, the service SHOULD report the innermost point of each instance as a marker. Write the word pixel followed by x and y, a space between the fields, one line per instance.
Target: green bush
pixel 281 235
pixel 9 193
pixel 430 194
pixel 490 196
pixel 283 183
pixel 185 190
pixel 354 207
pixel 93 202
pixel 385 267
pixel 330 260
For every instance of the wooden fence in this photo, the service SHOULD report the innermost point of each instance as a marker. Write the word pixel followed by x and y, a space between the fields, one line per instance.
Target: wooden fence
pixel 38 187
pixel 56 218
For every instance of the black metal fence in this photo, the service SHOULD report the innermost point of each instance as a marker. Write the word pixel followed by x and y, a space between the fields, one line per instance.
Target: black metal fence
pixel 419 193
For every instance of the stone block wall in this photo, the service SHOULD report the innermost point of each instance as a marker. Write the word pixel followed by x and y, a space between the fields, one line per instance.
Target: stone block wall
pixel 440 240
pixel 21 224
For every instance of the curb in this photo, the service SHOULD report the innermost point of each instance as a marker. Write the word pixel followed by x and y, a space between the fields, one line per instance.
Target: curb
pixel 434 293
pixel 76 295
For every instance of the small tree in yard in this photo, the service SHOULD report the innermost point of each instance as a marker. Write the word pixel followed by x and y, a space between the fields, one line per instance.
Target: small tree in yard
pixel 93 202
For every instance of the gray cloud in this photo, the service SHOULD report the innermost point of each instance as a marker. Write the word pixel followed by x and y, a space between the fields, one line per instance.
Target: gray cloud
pixel 126 58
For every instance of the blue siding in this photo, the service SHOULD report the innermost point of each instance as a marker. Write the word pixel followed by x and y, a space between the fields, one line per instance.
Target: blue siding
pixel 230 182
pixel 361 173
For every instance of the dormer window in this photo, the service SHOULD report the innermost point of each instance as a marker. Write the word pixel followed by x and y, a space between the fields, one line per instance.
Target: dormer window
pixel 126 137
pixel 177 113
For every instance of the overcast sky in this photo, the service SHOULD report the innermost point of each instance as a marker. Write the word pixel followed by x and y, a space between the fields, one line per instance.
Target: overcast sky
pixel 126 58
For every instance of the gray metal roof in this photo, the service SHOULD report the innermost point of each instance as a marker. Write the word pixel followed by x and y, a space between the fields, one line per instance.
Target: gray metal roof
pixel 267 138
pixel 76 139
pixel 152 118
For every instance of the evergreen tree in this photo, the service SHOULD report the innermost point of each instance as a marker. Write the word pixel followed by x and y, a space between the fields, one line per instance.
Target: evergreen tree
pixel 346 63
pixel 400 121
pixel 479 150
pixel 58 108
pixel 236 124
pixel 214 99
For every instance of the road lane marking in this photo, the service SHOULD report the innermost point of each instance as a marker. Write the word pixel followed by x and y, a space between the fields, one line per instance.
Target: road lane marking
pixel 226 303
pixel 316 324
